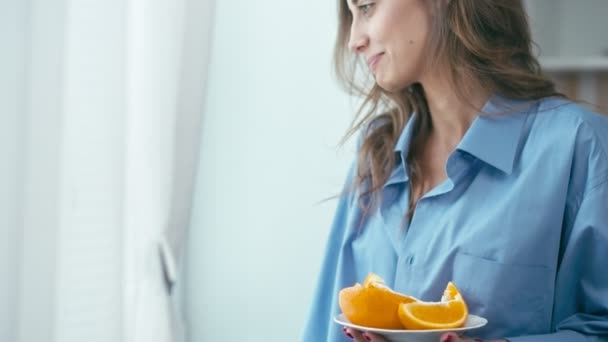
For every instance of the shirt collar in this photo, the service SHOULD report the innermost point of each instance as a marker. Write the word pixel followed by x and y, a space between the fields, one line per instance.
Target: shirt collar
pixel 493 137
pixel 402 146
pixel 403 143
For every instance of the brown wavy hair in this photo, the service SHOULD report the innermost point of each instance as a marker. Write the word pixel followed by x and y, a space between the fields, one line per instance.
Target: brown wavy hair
pixel 485 42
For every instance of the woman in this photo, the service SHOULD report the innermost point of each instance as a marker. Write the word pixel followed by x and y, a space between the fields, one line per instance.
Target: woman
pixel 478 172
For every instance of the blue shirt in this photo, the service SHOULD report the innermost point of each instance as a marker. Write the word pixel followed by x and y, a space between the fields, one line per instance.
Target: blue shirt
pixel 520 225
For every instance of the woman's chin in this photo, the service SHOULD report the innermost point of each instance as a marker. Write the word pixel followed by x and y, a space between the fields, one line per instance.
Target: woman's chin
pixel 387 85
pixel 392 85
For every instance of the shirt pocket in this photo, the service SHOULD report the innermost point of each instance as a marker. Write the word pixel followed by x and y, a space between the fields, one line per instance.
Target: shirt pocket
pixel 516 299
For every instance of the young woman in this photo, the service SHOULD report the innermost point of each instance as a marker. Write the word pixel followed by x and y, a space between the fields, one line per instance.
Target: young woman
pixel 471 168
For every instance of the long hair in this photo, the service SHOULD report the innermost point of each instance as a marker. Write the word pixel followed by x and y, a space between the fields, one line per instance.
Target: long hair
pixel 487 42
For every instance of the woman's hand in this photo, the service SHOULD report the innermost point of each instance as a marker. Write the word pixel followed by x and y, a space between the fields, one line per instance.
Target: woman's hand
pixel 452 337
pixel 359 336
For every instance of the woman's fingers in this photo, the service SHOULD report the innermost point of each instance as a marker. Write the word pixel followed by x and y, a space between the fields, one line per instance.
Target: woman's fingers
pixel 452 337
pixel 357 335
pixel 360 336
pixel 375 338
pixel 348 333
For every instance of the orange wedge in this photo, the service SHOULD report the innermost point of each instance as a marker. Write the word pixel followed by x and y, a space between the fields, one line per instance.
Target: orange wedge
pixel 372 304
pixel 372 278
pixel 450 313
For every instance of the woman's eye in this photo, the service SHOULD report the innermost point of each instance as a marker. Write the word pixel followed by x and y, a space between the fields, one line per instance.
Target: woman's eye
pixel 366 8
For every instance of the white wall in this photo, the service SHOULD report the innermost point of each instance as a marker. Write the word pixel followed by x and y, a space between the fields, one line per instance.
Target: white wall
pixel 13 23
pixel 272 121
pixel 40 219
pixel 70 261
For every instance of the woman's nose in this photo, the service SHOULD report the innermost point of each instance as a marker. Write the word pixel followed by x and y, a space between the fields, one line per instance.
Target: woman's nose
pixel 358 41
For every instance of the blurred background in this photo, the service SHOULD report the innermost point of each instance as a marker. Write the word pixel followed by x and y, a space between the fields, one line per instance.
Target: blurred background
pixel 164 163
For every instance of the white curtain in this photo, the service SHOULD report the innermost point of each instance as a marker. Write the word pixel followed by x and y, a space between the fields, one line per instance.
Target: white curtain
pixel 100 116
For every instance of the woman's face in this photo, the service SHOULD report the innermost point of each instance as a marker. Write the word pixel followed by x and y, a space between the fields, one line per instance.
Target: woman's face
pixel 391 36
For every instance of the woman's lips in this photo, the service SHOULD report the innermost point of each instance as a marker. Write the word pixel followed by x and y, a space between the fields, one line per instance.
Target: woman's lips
pixel 373 61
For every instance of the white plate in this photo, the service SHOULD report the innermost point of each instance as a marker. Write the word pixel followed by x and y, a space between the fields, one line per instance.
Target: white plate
pixel 473 322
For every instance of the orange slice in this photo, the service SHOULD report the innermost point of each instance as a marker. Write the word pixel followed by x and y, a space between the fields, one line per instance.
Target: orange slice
pixel 372 278
pixel 372 304
pixel 450 313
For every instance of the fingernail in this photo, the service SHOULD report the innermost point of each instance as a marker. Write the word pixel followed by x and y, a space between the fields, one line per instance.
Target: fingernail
pixel 366 337
pixel 446 338
pixel 347 334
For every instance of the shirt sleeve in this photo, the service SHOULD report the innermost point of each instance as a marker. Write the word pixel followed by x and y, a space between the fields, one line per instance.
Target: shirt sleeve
pixel 319 326
pixel 580 311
